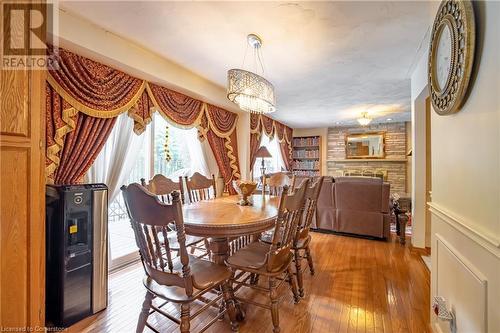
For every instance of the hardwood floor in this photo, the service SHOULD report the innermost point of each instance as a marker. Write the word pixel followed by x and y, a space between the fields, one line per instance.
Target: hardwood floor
pixel 360 285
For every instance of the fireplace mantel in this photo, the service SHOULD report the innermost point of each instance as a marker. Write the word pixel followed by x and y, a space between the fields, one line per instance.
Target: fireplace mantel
pixel 362 160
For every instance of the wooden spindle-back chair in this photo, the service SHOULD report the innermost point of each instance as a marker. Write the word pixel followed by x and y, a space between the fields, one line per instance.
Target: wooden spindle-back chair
pixel 368 173
pixel 163 188
pixel 200 187
pixel 181 280
pixel 352 173
pixel 272 260
pixel 297 182
pixel 303 238
pixel 275 183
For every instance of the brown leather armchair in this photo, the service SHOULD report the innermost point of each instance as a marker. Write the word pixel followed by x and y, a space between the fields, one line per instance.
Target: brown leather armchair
pixel 355 205
pixel 325 211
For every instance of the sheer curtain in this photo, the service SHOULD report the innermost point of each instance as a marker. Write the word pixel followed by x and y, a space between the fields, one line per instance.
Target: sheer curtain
pixel 116 160
pixel 198 155
pixel 209 158
pixel 273 164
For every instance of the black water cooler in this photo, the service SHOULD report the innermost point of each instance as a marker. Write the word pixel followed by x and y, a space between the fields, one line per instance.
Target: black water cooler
pixel 77 252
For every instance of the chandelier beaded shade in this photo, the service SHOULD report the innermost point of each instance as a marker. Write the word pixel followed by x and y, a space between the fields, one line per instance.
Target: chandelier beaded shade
pixel 365 119
pixel 250 91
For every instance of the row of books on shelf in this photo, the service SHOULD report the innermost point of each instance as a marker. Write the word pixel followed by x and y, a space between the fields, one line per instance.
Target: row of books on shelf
pixel 304 142
pixel 305 164
pixel 306 154
pixel 306 173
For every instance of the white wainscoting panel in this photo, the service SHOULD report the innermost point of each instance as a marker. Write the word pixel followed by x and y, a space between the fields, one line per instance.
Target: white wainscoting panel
pixel 464 287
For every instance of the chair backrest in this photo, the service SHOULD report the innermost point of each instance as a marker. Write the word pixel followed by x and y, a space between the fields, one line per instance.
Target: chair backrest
pixel 310 203
pixel 277 181
pixel 297 182
pixel 149 219
pixel 368 173
pixel 351 173
pixel 163 187
pixel 289 212
pixel 381 173
pixel 200 187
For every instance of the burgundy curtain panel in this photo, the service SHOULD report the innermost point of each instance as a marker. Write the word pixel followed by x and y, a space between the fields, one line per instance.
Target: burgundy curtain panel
pixel 84 98
pixel 255 133
pixel 284 135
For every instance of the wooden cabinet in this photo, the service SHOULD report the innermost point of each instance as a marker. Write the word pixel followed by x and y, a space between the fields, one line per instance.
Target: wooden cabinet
pixel 22 198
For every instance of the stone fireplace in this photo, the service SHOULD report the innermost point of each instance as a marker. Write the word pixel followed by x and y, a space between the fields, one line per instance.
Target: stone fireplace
pixel 393 166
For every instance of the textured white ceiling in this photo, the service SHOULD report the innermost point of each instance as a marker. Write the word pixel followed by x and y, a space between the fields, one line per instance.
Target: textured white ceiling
pixel 329 61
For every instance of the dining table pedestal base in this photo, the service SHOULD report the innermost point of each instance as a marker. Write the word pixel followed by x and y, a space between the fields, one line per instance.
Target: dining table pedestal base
pixel 222 219
pixel 219 249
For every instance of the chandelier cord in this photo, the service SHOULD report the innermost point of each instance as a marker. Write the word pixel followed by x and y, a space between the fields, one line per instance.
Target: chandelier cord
pixel 255 59
pixel 244 57
pixel 260 56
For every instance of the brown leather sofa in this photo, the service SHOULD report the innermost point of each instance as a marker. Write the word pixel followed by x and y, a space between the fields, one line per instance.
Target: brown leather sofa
pixel 354 205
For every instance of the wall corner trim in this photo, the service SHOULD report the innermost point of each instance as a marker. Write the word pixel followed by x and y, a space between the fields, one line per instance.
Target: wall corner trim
pixel 492 244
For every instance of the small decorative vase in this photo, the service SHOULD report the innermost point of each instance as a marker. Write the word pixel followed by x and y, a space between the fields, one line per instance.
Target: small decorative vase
pixel 245 190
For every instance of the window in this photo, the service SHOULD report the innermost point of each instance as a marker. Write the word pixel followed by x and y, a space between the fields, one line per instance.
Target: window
pixel 187 157
pixel 122 241
pixel 180 161
pixel 273 164
pixel 187 153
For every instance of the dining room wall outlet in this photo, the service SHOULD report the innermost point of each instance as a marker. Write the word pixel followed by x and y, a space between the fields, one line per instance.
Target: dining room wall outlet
pixel 443 312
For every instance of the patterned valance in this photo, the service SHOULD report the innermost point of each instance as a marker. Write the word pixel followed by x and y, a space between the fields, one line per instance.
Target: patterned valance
pixel 84 86
pixel 270 127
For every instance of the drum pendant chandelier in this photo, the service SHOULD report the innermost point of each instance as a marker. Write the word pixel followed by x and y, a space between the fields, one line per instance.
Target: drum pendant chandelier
pixel 250 91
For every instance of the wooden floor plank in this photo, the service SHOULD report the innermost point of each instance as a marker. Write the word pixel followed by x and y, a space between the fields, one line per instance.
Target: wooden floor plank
pixel 360 285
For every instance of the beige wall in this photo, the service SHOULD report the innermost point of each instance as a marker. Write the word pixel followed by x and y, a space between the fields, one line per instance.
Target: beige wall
pixel 244 145
pixel 323 133
pixel 465 203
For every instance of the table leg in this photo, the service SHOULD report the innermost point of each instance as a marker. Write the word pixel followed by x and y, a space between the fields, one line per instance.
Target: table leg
pixel 403 219
pixel 219 247
pixel 398 229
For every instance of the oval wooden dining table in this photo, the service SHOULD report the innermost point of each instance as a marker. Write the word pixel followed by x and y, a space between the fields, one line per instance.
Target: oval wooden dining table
pixel 222 218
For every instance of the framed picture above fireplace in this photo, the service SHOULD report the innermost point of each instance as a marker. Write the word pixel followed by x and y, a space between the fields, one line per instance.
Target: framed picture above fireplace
pixel 365 145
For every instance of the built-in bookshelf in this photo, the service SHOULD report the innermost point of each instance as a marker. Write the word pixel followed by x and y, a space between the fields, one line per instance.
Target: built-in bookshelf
pixel 306 153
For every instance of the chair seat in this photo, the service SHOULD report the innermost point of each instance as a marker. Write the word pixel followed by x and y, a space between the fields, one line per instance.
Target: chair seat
pixel 267 237
pixel 174 244
pixel 252 258
pixel 206 275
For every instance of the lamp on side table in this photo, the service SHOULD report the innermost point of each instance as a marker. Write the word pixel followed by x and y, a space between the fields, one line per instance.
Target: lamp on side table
pixel 263 153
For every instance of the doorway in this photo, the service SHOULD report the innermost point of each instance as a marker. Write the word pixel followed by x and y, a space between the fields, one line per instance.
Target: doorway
pixel 428 173
pixel 421 172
